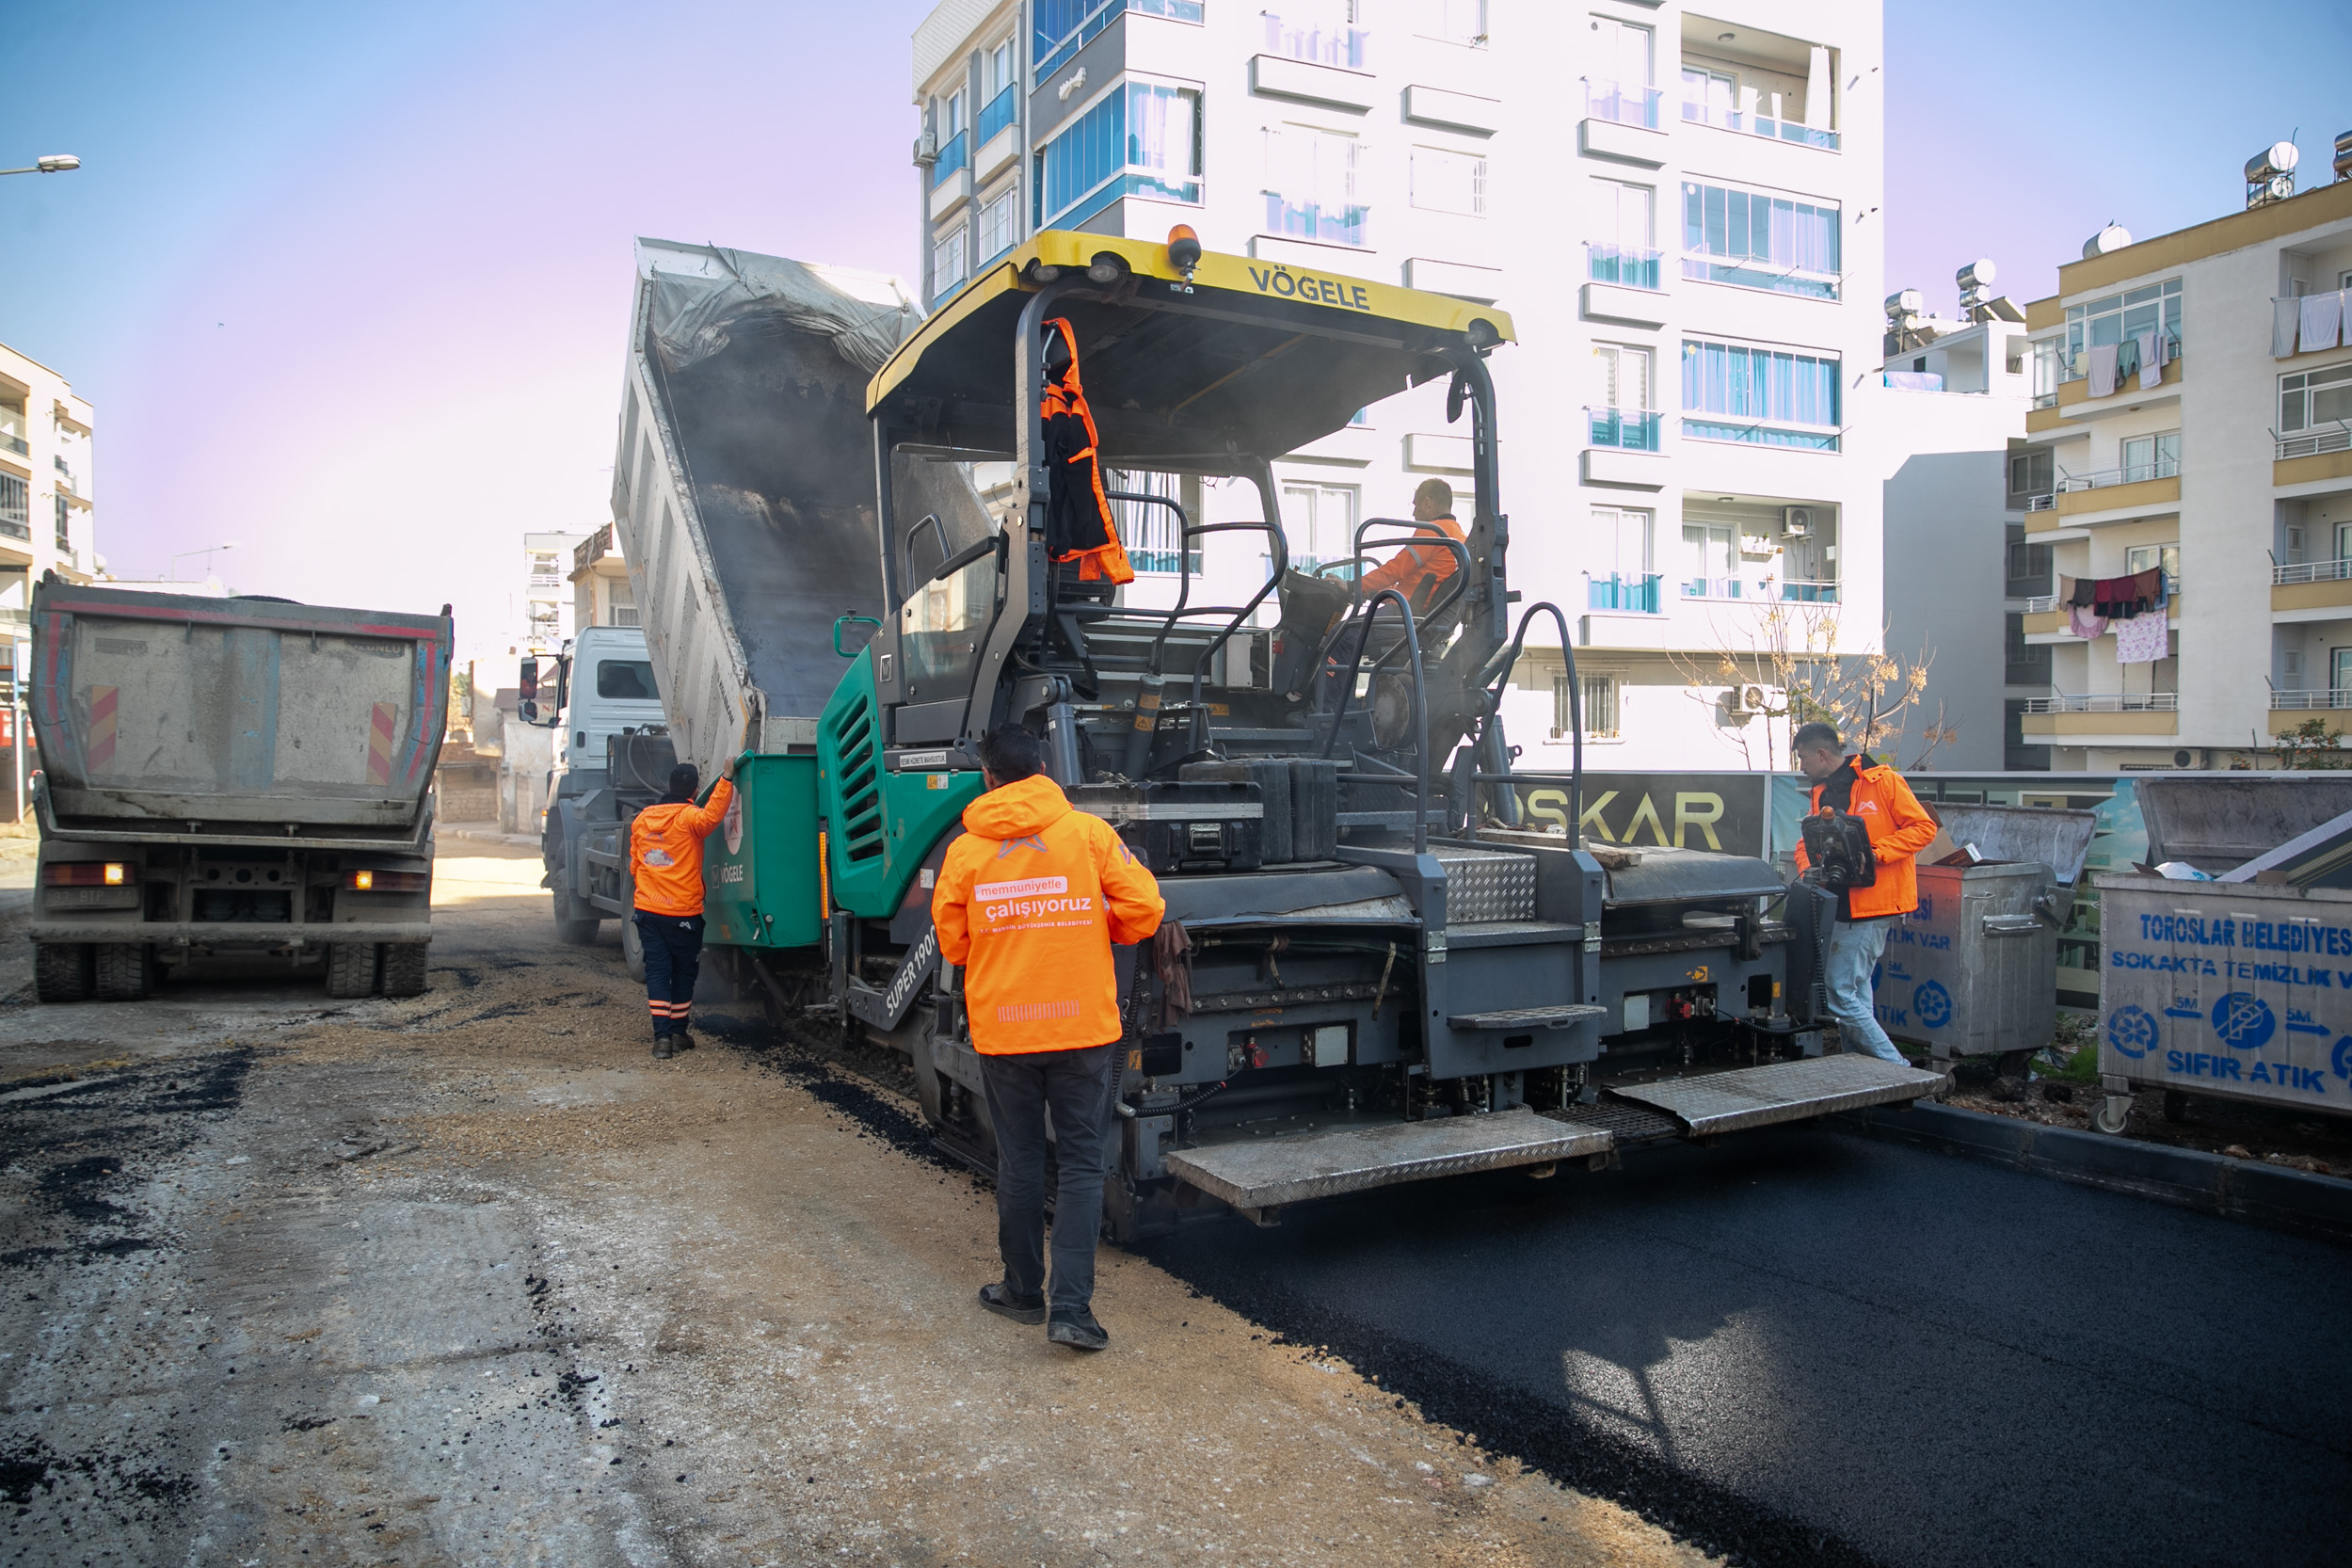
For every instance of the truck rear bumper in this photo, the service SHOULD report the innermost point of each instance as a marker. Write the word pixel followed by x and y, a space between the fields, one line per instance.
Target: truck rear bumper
pixel 230 933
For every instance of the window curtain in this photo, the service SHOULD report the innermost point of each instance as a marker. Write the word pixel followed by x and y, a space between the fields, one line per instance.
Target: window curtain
pixel 1084 155
pixel 1160 135
pixel 1760 384
pixel 1734 223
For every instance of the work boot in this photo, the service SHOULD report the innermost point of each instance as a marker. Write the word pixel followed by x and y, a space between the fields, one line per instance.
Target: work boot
pixel 1077 1330
pixel 662 1049
pixel 996 1298
pixel 681 1040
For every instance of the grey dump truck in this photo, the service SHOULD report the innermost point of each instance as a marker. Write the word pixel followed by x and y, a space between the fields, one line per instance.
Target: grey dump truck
pixel 233 777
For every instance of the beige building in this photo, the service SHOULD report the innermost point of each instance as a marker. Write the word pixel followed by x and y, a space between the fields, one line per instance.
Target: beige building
pixel 599 582
pixel 2226 464
pixel 46 511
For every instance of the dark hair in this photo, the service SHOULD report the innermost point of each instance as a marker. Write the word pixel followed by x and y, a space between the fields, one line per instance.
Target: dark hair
pixel 1012 754
pixel 685 780
pixel 1815 734
pixel 1437 493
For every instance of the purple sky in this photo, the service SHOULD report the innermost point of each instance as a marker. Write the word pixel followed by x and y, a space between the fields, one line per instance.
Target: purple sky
pixel 349 286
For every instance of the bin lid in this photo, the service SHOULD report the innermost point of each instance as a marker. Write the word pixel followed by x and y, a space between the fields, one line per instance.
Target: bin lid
pixel 2218 820
pixel 2057 838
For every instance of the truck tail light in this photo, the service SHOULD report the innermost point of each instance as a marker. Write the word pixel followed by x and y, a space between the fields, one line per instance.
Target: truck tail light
pixel 385 882
pixel 88 874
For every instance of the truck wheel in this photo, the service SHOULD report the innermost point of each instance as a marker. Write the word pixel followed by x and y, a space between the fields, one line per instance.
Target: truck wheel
pixel 123 972
pixel 927 1084
pixel 351 970
pixel 575 923
pixel 633 947
pixel 62 971
pixel 404 968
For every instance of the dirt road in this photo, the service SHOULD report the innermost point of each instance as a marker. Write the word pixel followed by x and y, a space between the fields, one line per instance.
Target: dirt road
pixel 471 1278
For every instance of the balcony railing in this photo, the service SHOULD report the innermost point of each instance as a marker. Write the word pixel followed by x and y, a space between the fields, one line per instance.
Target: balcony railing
pixel 995 117
pixel 626 614
pixel 2310 444
pixel 1761 589
pixel 2338 697
pixel 2041 604
pixel 2104 702
pixel 1699 425
pixel 1623 265
pixel 1053 51
pixel 2130 474
pixel 10 442
pixel 2312 571
pixel 15 528
pixel 952 159
pixel 1318 42
pixel 2043 503
pixel 1350 224
pixel 1625 428
pixel 1759 125
pixel 1624 104
pixel 1638 595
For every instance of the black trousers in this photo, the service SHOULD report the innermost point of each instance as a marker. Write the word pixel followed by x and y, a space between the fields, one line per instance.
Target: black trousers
pixel 673 960
pixel 1075 1085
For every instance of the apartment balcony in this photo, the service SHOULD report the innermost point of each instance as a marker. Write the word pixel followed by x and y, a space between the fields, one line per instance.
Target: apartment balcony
pixel 1759 590
pixel 2314 455
pixel 2132 487
pixel 1636 596
pixel 2049 621
pixel 1624 428
pixel 1623 449
pixel 1348 224
pixel 1315 61
pixel 951 176
pixel 1695 113
pixel 1622 123
pixel 1054 52
pixel 2072 400
pixel 995 136
pixel 1623 265
pixel 11 442
pixel 2291 710
pixel 2105 718
pixel 1624 285
pixel 2311 591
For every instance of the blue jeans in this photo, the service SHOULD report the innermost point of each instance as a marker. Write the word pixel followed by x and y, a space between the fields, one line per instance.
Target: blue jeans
pixel 673 961
pixel 1854 949
pixel 1076 1086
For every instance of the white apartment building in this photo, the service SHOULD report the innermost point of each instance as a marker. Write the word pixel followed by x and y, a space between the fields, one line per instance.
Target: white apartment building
pixel 2229 465
pixel 547 590
pixel 1679 205
pixel 47 511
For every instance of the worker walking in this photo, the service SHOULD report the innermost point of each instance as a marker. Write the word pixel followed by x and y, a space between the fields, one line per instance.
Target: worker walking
pixel 1419 571
pixel 1030 902
pixel 1898 828
pixel 666 864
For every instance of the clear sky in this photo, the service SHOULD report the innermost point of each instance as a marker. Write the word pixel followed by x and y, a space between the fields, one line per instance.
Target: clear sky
pixel 349 284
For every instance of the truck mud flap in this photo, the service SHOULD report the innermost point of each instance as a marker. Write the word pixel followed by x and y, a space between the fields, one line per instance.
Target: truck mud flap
pixel 1267 1173
pixel 1783 1092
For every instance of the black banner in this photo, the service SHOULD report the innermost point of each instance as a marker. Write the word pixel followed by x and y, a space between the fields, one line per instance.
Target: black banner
pixel 1725 812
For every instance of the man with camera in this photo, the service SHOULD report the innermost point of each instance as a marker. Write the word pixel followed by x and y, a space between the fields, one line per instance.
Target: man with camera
pixel 1874 871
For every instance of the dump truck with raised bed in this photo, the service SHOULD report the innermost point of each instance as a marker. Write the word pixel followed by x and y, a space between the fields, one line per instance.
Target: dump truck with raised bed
pixel 233 777
pixel 612 758
pixel 1391 977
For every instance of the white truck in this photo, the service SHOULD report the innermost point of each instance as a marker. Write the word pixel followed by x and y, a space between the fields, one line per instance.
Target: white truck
pixel 612 757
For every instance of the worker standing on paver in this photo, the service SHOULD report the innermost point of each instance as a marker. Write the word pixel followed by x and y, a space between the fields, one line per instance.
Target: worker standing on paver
pixel 1898 828
pixel 1418 571
pixel 666 865
pixel 1030 902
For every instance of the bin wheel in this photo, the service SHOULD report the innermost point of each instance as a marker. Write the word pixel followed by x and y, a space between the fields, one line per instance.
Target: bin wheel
pixel 62 971
pixel 2113 1113
pixel 404 968
pixel 351 970
pixel 122 971
pixel 633 947
pixel 2175 1106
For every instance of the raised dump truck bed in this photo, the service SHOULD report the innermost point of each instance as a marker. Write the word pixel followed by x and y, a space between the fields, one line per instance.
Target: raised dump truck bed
pixel 231 776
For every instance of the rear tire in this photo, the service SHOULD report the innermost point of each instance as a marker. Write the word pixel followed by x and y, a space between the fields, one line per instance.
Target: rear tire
pixel 62 971
pixel 633 947
pixel 404 968
pixel 123 972
pixel 351 970
pixel 575 923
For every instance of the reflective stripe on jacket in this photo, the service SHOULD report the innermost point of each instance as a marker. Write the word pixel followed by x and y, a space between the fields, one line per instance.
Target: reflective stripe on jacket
pixel 666 852
pixel 1899 828
pixel 1030 901
pixel 1078 523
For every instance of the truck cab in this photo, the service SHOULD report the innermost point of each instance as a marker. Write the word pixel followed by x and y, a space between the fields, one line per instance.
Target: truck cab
pixel 604 704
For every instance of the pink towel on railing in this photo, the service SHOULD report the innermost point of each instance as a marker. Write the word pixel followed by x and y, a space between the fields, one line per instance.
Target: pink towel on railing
pixel 2322 320
pixel 2141 640
pixel 2083 623
pixel 2103 370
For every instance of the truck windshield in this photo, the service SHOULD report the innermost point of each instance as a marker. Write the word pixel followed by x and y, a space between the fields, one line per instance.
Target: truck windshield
pixel 626 678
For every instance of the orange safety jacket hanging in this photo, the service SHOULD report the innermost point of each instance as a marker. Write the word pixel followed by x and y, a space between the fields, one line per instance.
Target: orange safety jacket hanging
pixel 1079 524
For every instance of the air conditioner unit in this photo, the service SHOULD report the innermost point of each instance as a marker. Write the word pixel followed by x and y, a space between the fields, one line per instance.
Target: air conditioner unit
pixel 927 148
pixel 1745 701
pixel 1795 522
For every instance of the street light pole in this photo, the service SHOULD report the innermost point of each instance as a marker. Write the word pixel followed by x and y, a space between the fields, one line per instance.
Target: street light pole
pixel 55 163
pixel 207 552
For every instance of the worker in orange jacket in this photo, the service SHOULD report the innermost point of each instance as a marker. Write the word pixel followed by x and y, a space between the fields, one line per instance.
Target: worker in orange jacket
pixel 1030 901
pixel 1419 571
pixel 666 865
pixel 1899 827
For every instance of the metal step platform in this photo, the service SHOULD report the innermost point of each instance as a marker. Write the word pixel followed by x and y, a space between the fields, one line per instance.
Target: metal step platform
pixel 1267 1173
pixel 1559 1016
pixel 1782 1092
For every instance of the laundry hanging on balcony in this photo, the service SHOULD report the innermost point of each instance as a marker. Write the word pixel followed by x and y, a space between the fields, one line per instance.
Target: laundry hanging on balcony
pixel 2084 623
pixel 2123 598
pixel 2286 315
pixel 2103 370
pixel 2155 348
pixel 2322 320
pixel 2143 640
pixel 2126 361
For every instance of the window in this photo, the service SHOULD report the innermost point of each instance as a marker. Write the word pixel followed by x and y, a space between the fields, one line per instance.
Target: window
pixel 1621 250
pixel 1623 83
pixel 1064 26
pixel 1151 533
pixel 1320 31
pixel 2314 397
pixel 998 98
pixel 2151 458
pixel 2049 370
pixel 1620 414
pixel 543 573
pixel 996 69
pixel 1454 20
pixel 1709 97
pixel 947 262
pixel 1621 578
pixel 1319 523
pixel 1600 707
pixel 1142 139
pixel 1709 561
pixel 1310 186
pixel 629 680
pixel 2031 474
pixel 2147 557
pixel 1772 105
pixel 951 117
pixel 2155 307
pixel 996 228
pixel 1757 240
pixel 1448 182
pixel 1772 397
pixel 65 524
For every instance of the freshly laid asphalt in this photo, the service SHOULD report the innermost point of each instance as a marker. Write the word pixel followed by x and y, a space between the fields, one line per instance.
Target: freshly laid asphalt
pixel 1806 1347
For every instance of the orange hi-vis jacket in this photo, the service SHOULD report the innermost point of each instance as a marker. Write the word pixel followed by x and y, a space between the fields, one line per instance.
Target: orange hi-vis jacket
pixel 666 852
pixel 1416 565
pixel 1030 901
pixel 1079 524
pixel 1899 828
